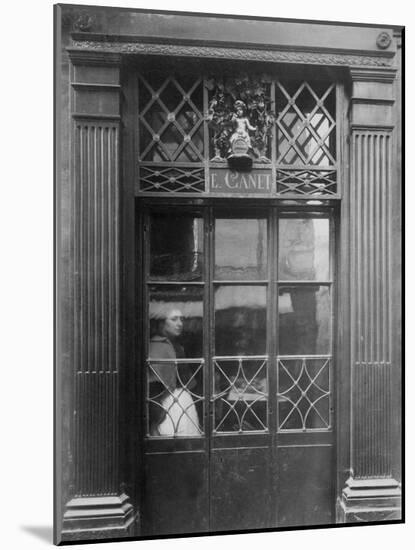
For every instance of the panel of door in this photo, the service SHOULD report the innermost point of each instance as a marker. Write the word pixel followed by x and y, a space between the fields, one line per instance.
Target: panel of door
pixel 241 465
pixel 176 379
pixel 305 370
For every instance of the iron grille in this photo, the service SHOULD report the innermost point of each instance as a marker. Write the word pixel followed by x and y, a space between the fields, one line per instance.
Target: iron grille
pixel 172 179
pixel 174 411
pixel 305 126
pixel 240 396
pixel 304 393
pixel 306 181
pixel 171 119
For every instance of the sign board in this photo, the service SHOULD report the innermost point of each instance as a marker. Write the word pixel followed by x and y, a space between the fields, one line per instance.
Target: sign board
pixel 223 180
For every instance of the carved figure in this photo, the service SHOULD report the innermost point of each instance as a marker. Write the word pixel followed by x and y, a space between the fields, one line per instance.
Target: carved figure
pixel 241 124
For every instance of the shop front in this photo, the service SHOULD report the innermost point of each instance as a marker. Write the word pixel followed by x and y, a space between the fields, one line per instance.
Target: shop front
pixel 228 350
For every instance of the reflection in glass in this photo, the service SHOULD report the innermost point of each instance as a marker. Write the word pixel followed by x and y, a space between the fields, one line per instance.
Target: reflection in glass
pixel 174 385
pixel 304 320
pixel 303 249
pixel 303 394
pixel 188 301
pixel 241 249
pixel 240 320
pixel 176 247
pixel 240 395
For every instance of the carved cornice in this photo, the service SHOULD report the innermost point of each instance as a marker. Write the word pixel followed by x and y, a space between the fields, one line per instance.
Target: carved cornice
pixel 81 48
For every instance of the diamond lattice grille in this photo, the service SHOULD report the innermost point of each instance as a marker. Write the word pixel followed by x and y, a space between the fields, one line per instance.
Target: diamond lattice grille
pixel 170 119
pixel 305 126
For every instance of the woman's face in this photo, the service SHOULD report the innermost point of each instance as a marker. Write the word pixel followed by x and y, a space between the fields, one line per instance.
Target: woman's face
pixel 173 324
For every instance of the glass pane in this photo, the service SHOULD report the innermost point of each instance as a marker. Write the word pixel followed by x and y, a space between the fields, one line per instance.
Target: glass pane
pixel 304 320
pixel 175 382
pixel 240 395
pixel 303 249
pixel 241 249
pixel 176 319
pixel 240 320
pixel 176 247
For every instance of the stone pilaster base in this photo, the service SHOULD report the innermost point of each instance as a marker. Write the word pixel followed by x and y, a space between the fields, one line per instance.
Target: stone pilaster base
pixel 98 518
pixel 369 500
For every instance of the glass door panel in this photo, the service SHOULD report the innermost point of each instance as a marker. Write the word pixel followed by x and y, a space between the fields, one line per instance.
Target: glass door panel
pixel 176 247
pixel 240 249
pixel 303 252
pixel 304 368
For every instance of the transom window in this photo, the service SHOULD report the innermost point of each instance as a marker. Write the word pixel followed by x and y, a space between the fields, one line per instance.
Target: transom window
pixel 185 124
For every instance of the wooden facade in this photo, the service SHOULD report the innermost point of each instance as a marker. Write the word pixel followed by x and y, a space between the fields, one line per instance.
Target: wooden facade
pixel 111 479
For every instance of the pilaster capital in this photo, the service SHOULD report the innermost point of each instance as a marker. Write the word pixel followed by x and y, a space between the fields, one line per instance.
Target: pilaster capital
pixel 373 74
pixel 94 57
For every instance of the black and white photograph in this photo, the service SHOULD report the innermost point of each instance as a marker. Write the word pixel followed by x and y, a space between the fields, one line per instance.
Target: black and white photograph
pixel 226 290
pixel 228 202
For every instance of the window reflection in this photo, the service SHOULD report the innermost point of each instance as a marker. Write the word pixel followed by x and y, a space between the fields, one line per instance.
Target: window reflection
pixel 240 320
pixel 303 249
pixel 176 247
pixel 241 249
pixel 304 320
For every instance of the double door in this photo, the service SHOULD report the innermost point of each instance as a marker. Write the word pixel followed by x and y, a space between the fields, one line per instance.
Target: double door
pixel 237 368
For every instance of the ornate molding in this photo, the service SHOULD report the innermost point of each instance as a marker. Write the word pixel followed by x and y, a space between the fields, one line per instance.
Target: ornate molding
pixel 372 499
pixel 84 22
pixel 98 517
pixel 236 103
pixel 235 53
pixel 366 74
pixel 383 40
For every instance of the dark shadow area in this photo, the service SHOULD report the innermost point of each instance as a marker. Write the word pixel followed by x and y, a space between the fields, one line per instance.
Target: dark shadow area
pixel 42 532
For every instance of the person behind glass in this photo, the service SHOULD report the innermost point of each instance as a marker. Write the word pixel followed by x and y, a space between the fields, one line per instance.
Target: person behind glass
pixel 172 411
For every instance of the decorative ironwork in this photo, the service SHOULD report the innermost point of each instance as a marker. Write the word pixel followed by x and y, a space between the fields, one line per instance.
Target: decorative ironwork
pixel 305 126
pixel 306 182
pixel 170 118
pixel 174 150
pixel 175 410
pixel 250 94
pixel 304 394
pixel 172 179
pixel 240 395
